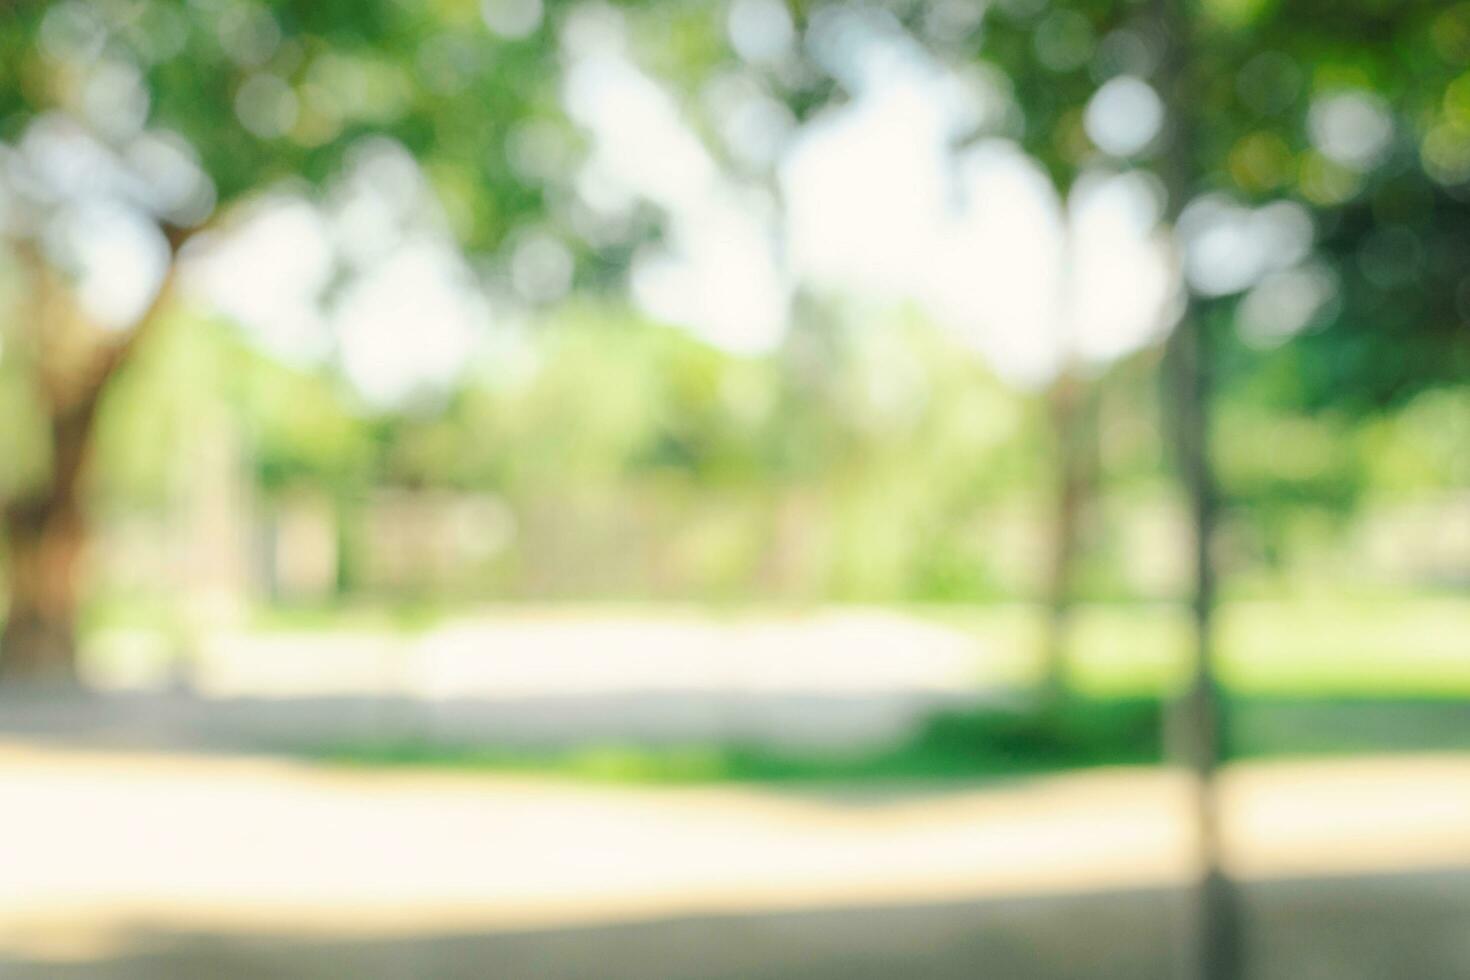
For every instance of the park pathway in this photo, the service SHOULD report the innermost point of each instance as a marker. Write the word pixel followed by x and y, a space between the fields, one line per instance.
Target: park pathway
pixel 111 857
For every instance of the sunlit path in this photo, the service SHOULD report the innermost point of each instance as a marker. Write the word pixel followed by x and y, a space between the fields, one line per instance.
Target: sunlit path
pixel 843 677
pixel 102 848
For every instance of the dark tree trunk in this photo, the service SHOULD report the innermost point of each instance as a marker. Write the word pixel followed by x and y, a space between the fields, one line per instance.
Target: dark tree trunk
pixel 46 530
pixel 45 543
pixel 1066 401
pixel 1195 734
pixel 1213 950
pixel 46 538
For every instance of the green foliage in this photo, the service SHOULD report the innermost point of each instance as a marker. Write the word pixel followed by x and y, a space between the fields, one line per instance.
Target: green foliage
pixel 636 461
pixel 862 461
pixel 284 90
pixel 1421 446
pixel 198 382
pixel 1254 104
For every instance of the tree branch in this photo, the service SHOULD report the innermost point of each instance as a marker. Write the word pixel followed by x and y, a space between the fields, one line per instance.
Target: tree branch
pixel 122 350
pixel 73 412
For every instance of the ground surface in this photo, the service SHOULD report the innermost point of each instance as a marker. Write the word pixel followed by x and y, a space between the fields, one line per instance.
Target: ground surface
pixel 845 676
pixel 128 864
pixel 142 836
pixel 836 677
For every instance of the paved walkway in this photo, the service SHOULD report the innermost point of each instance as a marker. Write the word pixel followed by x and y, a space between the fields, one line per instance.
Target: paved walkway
pixel 834 676
pixel 118 858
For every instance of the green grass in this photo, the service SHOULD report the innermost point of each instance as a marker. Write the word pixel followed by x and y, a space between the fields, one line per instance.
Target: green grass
pixel 949 746
pixel 1275 726
pixel 1326 646
pixel 978 745
pixel 1307 675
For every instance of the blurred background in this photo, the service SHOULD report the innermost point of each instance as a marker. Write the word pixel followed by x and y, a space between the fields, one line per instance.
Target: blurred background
pixel 702 489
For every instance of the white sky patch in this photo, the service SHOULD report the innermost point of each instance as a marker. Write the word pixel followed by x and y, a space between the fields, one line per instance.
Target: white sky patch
pixel 406 322
pixel 996 279
pixel 879 208
pixel 115 100
pixel 410 324
pixel 1032 286
pixel 541 268
pixel 268 274
pixel 364 227
pixel 876 208
pixel 753 125
pixel 1229 247
pixel 869 213
pixel 171 182
pixel 641 141
pixel 369 276
pixel 1283 304
pixel 380 197
pixel 1122 267
pixel 718 273
pixel 760 31
pixel 62 161
pixel 512 19
pixel 864 193
pixel 1123 116
pixel 59 164
pixel 118 258
pixel 867 185
pixel 1353 128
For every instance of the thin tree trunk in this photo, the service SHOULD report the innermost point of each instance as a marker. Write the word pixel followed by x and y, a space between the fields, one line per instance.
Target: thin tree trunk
pixel 1213 948
pixel 1196 721
pixel 1066 403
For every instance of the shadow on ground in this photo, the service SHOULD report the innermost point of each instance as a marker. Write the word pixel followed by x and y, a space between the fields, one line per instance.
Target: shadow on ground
pixel 184 721
pixel 1408 927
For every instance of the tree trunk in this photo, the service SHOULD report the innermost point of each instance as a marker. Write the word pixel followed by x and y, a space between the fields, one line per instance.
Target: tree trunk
pixel 46 543
pixel 1197 719
pixel 46 530
pixel 1066 403
pixel 46 538
pixel 46 535
pixel 1213 947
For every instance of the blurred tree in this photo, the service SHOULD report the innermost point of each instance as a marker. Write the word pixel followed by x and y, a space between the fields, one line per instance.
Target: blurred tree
pixel 127 129
pixel 1355 113
pixel 1074 435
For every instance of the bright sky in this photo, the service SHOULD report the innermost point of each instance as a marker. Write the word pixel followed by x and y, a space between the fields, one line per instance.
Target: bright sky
pixel 875 206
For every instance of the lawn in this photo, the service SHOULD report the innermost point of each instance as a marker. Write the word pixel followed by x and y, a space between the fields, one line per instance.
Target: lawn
pixel 1401 646
pixel 987 743
pixel 1305 676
